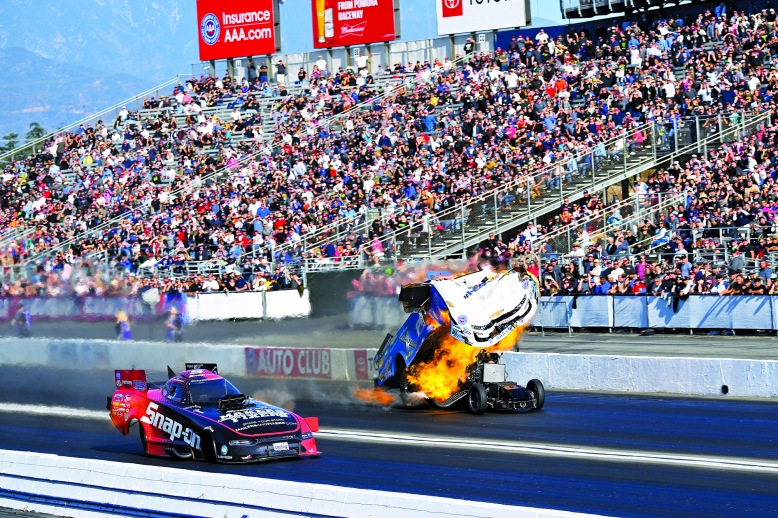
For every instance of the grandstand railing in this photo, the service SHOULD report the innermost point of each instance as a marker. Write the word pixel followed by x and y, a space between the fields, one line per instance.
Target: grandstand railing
pixel 216 175
pixel 34 145
pixel 631 212
pixel 452 231
pixel 16 234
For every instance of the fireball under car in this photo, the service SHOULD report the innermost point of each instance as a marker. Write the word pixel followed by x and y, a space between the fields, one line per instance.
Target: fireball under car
pixel 478 309
pixel 199 415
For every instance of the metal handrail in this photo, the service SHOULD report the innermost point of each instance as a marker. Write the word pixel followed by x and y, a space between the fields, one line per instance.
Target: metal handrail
pixel 215 174
pixel 536 179
pixel 452 211
pixel 89 118
pixel 637 202
pixel 460 213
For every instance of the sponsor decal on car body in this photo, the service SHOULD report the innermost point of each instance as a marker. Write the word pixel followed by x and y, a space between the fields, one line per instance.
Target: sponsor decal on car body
pixel 176 430
pixel 258 413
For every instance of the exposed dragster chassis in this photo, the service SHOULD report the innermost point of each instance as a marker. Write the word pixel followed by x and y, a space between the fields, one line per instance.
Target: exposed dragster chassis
pixel 486 388
pixel 478 309
pixel 199 415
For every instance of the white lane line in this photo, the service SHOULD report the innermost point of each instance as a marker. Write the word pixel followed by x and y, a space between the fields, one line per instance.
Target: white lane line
pixel 433 441
pixel 54 411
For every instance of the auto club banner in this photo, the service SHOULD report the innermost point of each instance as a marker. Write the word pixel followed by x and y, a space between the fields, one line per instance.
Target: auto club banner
pixel 289 362
pixel 338 23
pixel 236 28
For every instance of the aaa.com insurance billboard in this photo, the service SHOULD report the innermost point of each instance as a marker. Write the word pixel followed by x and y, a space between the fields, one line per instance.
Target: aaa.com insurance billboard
pixel 338 23
pixel 457 16
pixel 236 28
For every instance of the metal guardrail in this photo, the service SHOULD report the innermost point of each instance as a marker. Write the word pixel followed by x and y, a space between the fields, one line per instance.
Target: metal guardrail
pixel 16 234
pixel 631 212
pixel 90 118
pixel 503 208
pixel 212 176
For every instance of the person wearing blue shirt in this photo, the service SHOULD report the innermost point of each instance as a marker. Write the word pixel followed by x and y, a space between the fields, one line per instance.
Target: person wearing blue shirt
pixel 602 287
pixel 549 121
pixel 385 141
pixel 123 331
pixel 22 323
pixel 429 122
pixel 410 189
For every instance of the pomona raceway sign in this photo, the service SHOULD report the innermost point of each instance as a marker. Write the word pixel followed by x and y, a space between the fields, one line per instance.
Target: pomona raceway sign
pixel 229 29
pixel 457 16
pixel 352 22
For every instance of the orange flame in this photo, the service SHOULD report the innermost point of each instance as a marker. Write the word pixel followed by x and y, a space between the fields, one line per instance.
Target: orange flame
pixel 440 377
pixel 376 396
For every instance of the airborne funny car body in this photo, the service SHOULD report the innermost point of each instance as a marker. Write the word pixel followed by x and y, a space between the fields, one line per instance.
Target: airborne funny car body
pixel 479 310
pixel 199 415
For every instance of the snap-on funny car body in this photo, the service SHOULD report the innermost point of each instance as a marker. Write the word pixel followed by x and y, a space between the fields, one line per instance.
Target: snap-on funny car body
pixel 479 309
pixel 198 414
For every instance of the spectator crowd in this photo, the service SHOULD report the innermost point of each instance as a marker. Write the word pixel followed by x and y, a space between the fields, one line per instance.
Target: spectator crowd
pixel 460 129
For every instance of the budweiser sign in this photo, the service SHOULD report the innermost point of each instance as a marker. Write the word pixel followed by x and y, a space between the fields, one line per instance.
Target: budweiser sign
pixel 352 22
pixel 357 30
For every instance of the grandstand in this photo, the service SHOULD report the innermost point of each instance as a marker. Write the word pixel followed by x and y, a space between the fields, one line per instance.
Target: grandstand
pixel 573 9
pixel 213 177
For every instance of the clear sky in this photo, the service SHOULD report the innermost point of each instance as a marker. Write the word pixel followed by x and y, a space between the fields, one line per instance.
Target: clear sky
pixel 75 57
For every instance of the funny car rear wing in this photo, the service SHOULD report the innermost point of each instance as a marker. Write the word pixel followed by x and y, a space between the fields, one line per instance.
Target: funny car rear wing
pixel 194 366
pixel 131 380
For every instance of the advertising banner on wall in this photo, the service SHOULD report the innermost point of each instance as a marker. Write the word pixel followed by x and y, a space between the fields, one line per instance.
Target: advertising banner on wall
pixel 288 362
pixel 235 28
pixel 457 16
pixel 338 23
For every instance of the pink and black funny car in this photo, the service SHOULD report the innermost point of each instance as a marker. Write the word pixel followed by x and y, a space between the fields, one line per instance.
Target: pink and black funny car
pixel 199 415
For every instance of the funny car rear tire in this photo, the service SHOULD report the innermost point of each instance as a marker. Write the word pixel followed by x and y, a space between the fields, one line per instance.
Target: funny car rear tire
pixel 407 389
pixel 476 399
pixel 537 389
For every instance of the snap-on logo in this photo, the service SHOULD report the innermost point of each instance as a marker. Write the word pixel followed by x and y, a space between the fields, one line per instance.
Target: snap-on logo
pixel 175 429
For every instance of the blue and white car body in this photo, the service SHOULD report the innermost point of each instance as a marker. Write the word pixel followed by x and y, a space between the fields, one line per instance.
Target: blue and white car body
pixel 478 309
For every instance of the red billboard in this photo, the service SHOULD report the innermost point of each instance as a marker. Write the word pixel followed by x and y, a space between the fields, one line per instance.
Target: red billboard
pixel 339 23
pixel 235 28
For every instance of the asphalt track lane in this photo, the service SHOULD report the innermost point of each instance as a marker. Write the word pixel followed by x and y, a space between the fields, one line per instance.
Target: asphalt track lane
pixel 719 426
pixel 727 428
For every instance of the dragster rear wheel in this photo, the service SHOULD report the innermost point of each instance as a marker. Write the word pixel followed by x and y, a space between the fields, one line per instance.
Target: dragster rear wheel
pixel 476 399
pixel 537 389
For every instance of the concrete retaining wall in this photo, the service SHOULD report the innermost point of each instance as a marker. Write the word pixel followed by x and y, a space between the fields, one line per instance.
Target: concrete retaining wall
pixel 110 485
pixel 691 376
pixel 233 360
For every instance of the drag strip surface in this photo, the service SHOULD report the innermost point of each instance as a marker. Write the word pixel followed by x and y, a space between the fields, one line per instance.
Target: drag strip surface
pixel 605 454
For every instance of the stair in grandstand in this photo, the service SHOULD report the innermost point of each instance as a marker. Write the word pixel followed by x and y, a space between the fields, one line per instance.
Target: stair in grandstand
pixel 506 207
pixel 385 86
pixel 599 226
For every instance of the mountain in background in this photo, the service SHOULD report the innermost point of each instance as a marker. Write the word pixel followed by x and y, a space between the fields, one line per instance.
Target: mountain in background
pixel 67 59
pixel 57 94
